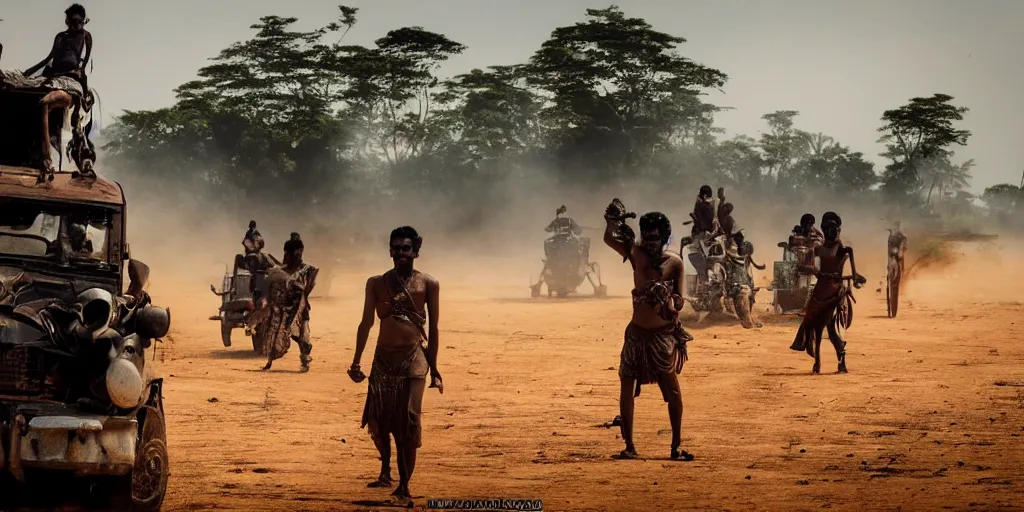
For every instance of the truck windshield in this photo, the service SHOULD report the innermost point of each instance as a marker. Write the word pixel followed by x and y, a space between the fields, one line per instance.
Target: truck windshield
pixel 36 230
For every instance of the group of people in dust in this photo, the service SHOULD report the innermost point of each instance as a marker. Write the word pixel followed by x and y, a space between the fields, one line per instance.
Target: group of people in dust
pixel 654 351
pixel 654 348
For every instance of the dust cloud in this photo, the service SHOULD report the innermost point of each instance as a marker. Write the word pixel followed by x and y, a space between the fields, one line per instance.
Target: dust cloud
pixel 497 252
pixel 529 382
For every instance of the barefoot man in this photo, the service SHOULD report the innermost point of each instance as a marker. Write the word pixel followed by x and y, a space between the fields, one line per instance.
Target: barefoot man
pixel 400 362
pixel 655 342
pixel 830 305
pixel 288 306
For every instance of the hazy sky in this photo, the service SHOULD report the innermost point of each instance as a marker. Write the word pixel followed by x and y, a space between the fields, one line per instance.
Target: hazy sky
pixel 840 63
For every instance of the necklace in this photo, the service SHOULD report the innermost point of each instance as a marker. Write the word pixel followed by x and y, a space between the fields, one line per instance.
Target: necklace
pixel 404 281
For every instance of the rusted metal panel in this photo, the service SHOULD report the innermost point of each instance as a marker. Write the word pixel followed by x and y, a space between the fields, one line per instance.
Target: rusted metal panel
pixel 785 275
pixel 21 182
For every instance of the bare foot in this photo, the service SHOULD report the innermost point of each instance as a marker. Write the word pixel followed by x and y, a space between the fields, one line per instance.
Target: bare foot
pixel 627 454
pixel 402 492
pixel 682 455
pixel 382 481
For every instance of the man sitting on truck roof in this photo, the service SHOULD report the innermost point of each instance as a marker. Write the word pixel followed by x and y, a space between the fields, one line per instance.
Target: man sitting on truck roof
pixel 71 50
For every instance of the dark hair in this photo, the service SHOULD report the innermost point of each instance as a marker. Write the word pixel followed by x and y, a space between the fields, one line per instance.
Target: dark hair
pixel 830 228
pixel 252 224
pixel 705 190
pixel 806 220
pixel 410 233
pixel 295 236
pixel 75 9
pixel 832 216
pixel 657 220
pixel 727 207
pixel 293 245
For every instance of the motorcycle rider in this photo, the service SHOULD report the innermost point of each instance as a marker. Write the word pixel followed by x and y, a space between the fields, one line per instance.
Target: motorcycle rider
pixel 898 243
pixel 704 214
pixel 563 227
pixel 705 224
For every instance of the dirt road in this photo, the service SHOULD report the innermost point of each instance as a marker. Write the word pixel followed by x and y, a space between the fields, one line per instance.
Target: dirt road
pixel 930 416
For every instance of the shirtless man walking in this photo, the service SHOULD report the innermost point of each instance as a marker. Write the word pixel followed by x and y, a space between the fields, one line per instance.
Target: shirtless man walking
pixel 655 341
pixel 830 305
pixel 400 362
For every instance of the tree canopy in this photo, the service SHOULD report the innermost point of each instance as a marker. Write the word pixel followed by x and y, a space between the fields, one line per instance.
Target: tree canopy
pixel 302 119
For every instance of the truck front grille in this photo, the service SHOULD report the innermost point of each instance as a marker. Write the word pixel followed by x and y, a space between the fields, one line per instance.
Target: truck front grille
pixel 21 370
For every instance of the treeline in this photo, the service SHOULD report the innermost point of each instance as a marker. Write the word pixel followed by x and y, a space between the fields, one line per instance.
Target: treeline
pixel 301 119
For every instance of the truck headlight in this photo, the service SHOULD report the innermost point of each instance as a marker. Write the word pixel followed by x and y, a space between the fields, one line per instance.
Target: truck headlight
pixel 124 383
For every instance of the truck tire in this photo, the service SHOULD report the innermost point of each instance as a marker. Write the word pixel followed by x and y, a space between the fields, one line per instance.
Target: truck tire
pixel 144 488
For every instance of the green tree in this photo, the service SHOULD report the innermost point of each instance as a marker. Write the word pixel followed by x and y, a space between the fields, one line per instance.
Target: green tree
pixel 783 145
pixel 740 160
pixel 618 91
pixel 921 130
pixel 1004 200
pixel 853 174
pixel 392 93
pixel 259 117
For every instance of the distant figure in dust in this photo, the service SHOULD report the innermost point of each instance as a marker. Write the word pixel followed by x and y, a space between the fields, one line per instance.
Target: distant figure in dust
pixel 563 227
pixel 253 240
pixel 898 244
pixel 830 305
pixel 402 298
pixel 71 50
pixel 655 341
pixel 289 288
pixel 810 238
pixel 705 216
pixel 809 230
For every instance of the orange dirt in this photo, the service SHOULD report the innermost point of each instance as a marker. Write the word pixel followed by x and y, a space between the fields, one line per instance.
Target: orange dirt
pixel 930 416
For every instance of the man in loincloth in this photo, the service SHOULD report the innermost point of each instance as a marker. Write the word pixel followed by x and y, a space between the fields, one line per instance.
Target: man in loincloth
pixel 655 341
pixel 742 253
pixel 71 50
pixel 289 287
pixel 830 305
pixel 400 362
